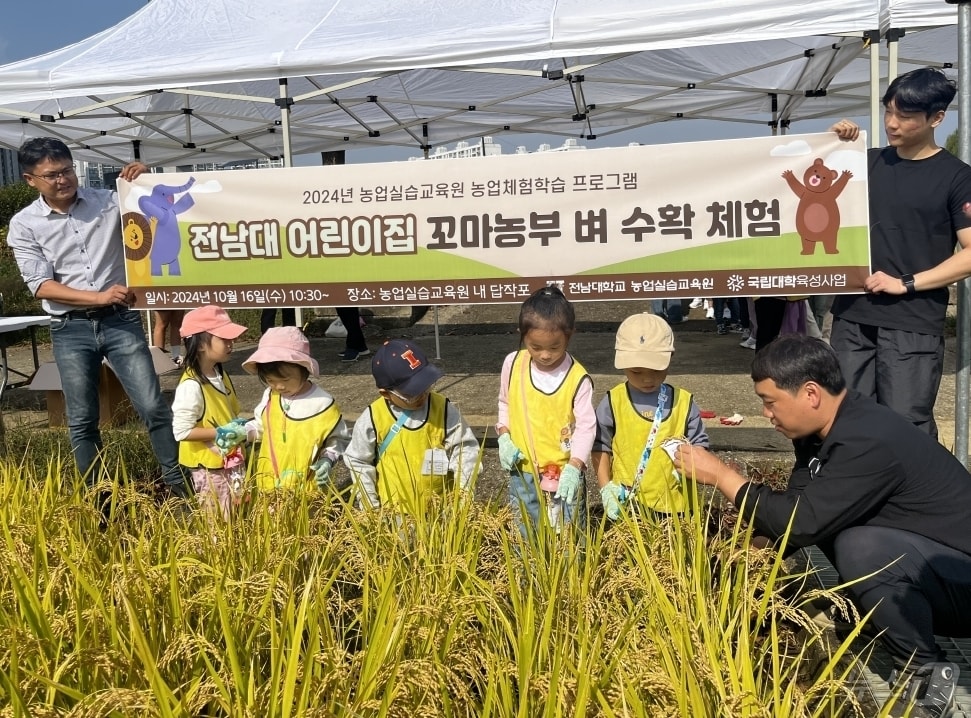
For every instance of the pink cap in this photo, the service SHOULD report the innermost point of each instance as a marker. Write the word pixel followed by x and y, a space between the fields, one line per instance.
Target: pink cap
pixel 211 319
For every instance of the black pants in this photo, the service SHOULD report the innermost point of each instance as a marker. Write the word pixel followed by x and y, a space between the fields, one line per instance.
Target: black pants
pixel 899 369
pixel 920 588
pixel 268 318
pixel 351 319
pixel 769 314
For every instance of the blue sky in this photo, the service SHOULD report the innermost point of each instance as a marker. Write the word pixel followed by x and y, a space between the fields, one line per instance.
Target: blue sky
pixel 27 30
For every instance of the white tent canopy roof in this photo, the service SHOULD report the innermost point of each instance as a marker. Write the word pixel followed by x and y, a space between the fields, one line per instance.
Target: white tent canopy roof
pixel 182 78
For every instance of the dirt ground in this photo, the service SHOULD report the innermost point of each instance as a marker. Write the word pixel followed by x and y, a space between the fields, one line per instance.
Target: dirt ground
pixel 469 346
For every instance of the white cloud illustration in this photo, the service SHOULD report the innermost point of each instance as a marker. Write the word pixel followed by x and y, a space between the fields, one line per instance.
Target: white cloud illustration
pixel 796 148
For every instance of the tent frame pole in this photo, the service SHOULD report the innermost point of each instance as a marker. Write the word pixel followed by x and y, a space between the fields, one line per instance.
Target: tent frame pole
pixel 962 377
pixel 284 102
pixel 875 113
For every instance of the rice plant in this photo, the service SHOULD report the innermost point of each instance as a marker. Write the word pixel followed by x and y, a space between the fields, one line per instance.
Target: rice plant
pixel 307 606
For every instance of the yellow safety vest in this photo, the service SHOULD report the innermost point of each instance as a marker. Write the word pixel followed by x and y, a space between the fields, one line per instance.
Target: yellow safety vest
pixel 541 424
pixel 218 409
pixel 658 490
pixel 400 482
pixel 290 446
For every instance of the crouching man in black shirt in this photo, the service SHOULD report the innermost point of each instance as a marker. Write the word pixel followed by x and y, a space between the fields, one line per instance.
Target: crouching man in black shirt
pixel 877 495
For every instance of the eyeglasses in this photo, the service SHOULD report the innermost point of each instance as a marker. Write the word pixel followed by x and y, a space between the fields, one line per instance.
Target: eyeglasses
pixel 407 399
pixel 55 176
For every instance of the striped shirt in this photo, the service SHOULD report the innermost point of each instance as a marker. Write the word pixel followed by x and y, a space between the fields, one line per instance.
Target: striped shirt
pixel 81 249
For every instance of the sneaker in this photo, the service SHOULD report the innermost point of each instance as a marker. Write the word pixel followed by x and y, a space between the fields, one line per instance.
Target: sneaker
pixel 722 329
pixel 928 691
pixel 737 329
pixel 696 303
pixel 748 343
pixel 726 313
pixel 746 333
pixel 710 313
pixel 353 354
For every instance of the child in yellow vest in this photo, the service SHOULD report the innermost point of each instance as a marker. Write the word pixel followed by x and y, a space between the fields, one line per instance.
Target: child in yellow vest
pixel 298 424
pixel 204 400
pixel 546 419
pixel 411 442
pixel 636 417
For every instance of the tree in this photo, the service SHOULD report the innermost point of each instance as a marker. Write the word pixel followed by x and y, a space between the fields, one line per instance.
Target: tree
pixel 13 198
pixel 951 145
pixel 15 298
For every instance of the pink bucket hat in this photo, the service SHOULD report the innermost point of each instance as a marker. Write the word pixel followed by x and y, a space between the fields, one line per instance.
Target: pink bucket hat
pixel 287 344
pixel 212 319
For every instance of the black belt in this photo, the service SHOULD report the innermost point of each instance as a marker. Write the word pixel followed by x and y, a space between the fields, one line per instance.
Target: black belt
pixel 97 312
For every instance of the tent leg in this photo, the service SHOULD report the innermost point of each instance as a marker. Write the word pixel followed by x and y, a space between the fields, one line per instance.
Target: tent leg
pixel 962 378
pixel 284 103
pixel 438 345
pixel 875 114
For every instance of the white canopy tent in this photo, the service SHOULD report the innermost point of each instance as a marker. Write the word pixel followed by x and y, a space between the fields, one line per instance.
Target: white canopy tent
pixel 238 79
pixel 181 81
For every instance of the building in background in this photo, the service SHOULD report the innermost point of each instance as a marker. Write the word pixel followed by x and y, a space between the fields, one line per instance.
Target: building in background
pixel 569 145
pixel 486 147
pixel 99 176
pixel 9 167
pixel 260 164
pixel 95 175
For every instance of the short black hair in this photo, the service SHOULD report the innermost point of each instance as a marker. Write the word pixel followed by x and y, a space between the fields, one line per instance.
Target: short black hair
pixel 926 90
pixel 34 151
pixel 791 360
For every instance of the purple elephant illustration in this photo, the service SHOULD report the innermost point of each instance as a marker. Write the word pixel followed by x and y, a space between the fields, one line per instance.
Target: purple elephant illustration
pixel 162 205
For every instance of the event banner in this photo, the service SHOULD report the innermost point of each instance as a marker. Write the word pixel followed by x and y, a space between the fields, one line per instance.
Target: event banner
pixel 754 217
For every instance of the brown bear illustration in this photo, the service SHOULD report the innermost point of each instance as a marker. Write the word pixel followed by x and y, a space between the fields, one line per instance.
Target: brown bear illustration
pixel 818 215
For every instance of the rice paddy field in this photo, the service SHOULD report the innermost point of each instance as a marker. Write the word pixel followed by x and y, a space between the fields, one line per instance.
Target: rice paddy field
pixel 310 607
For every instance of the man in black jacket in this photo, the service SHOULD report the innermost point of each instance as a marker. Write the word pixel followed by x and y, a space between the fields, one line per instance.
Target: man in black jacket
pixel 876 494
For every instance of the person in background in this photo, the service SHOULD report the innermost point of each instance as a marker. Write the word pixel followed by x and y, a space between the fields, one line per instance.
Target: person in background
pixel 165 332
pixel 890 340
pixel 752 322
pixel 69 247
pixel 268 318
pixel 727 316
pixel 355 345
pixel 668 309
pixel 546 421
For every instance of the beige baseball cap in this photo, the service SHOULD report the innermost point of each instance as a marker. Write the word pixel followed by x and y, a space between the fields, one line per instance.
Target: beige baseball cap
pixel 644 341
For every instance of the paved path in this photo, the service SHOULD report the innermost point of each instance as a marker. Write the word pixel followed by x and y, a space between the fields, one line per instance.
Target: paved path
pixel 472 343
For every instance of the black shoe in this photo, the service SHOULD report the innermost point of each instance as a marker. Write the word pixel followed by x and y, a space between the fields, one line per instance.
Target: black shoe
pixel 353 354
pixel 928 691
pixel 179 489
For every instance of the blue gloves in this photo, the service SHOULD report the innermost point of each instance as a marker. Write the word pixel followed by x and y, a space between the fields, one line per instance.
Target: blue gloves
pixel 509 453
pixel 231 435
pixel 612 496
pixel 321 468
pixel 570 481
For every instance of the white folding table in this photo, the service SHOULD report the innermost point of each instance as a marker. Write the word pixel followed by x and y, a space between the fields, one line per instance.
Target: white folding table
pixel 13 324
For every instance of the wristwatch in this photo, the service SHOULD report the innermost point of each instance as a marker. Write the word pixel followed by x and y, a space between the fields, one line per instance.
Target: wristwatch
pixel 908 280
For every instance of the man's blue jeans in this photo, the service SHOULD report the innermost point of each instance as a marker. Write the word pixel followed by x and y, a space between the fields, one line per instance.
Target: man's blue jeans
pixel 79 346
pixel 669 309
